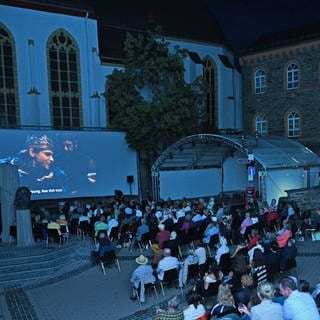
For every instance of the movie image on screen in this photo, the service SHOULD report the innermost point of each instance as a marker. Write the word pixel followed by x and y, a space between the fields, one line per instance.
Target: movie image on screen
pixel 59 164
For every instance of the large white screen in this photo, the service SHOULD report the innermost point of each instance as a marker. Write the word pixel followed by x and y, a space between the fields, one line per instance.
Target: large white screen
pixel 64 164
pixel 190 183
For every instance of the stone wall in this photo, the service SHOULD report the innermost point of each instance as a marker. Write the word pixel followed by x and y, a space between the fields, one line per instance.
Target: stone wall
pixel 277 101
pixel 307 198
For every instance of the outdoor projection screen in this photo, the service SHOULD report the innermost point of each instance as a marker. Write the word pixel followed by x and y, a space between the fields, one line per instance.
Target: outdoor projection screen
pixel 69 164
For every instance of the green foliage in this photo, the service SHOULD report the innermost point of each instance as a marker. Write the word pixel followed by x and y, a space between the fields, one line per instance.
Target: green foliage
pixel 149 98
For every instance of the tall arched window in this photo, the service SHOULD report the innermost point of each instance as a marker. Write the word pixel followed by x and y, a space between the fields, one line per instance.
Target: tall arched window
pixel 261 124
pixel 292 76
pixel 260 81
pixel 210 78
pixel 64 81
pixel 293 123
pixel 9 111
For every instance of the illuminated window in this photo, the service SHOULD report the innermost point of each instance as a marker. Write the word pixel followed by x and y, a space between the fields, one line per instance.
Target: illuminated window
pixel 261 125
pixel 64 81
pixel 260 81
pixel 293 124
pixel 292 76
pixel 9 112
pixel 210 78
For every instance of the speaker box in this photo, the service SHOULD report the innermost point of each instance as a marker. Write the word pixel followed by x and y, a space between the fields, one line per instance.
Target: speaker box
pixel 129 179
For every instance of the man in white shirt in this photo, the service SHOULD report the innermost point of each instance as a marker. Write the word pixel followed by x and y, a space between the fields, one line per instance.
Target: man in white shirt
pixel 298 305
pixel 167 263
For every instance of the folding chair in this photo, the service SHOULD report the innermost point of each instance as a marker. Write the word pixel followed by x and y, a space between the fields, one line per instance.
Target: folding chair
pixel 64 233
pixel 83 229
pixel 168 277
pixel 145 241
pixel 193 271
pixel 109 258
pixel 225 263
pixel 114 233
pixel 146 286
pixel 214 239
pixel 53 234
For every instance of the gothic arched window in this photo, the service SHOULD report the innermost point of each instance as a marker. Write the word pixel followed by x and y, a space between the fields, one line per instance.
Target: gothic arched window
pixel 64 81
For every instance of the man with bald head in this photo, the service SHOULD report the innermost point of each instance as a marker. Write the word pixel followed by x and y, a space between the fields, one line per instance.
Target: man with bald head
pixel 166 263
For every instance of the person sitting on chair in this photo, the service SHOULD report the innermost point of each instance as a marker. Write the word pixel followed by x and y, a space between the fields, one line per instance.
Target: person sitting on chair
pixel 102 240
pixel 54 225
pixel 172 244
pixel 105 245
pixel 287 253
pixel 167 263
pixel 142 229
pixel 172 312
pixel 223 249
pixel 142 275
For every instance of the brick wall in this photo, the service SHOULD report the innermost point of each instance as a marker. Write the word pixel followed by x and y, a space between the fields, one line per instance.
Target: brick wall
pixel 307 198
pixel 277 100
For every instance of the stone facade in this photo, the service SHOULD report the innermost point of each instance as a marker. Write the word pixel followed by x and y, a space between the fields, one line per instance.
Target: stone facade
pixel 306 198
pixel 277 100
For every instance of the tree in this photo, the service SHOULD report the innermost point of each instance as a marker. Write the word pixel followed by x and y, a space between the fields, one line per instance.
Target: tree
pixel 149 98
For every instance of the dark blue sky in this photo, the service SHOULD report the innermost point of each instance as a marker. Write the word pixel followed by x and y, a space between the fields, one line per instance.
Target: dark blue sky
pixel 243 21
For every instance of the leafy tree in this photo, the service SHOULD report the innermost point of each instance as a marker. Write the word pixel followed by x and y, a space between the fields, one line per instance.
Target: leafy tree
pixel 149 98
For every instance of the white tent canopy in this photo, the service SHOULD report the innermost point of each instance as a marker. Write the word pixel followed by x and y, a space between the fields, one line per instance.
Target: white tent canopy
pixel 205 151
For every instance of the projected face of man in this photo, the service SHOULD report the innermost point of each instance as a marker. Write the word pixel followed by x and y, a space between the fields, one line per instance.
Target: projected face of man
pixel 41 157
pixel 68 146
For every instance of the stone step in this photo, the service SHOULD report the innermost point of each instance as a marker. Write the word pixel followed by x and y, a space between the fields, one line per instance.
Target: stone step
pixel 29 266
pixel 4 285
pixel 34 265
pixel 26 274
pixel 36 255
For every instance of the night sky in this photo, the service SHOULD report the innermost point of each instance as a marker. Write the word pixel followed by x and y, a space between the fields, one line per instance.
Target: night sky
pixel 243 21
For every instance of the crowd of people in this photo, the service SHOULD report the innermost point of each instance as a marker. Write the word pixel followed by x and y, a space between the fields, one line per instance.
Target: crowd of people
pixel 235 256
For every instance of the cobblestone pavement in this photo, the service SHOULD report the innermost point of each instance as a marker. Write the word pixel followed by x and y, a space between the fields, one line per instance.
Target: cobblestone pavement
pixel 88 294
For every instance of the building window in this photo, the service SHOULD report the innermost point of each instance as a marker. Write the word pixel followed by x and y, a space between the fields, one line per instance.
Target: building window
pixel 9 111
pixel 209 76
pixel 292 76
pixel 293 124
pixel 260 81
pixel 64 81
pixel 261 125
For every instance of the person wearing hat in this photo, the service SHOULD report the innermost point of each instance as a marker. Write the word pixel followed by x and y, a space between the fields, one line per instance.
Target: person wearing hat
pixel 142 275
pixel 36 167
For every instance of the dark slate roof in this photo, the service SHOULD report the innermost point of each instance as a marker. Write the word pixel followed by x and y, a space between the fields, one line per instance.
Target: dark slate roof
pixel 288 37
pixel 180 19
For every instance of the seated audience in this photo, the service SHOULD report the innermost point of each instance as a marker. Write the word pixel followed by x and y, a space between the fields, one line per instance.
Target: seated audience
pixel 243 294
pixel 172 311
pixel 287 253
pixel 298 305
pixel 225 303
pixel 266 309
pixel 166 263
pixel 142 275
pixel 172 244
pixel 195 307
pixel 162 235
